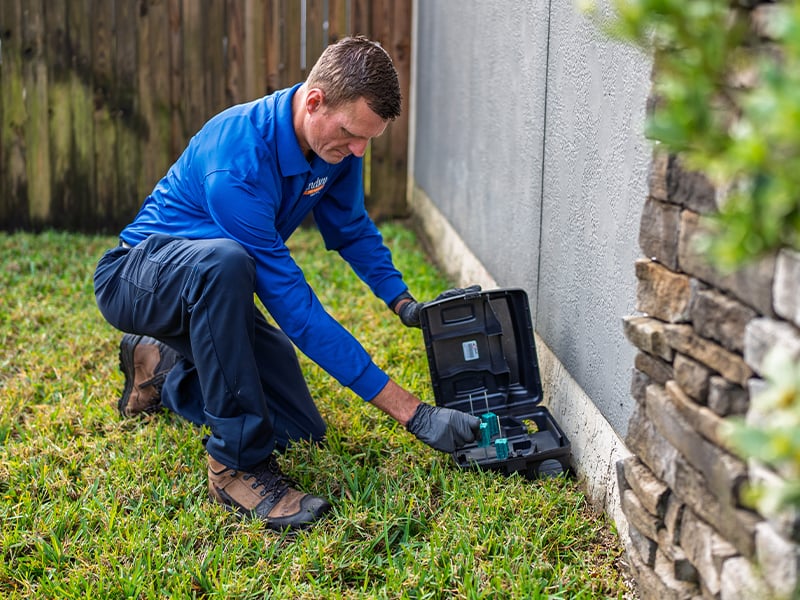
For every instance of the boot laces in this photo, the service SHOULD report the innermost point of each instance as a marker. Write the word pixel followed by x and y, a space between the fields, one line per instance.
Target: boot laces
pixel 270 478
pixel 156 381
pixel 166 361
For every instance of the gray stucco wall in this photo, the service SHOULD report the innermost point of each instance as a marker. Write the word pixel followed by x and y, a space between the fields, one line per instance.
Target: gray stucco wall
pixel 480 96
pixel 528 139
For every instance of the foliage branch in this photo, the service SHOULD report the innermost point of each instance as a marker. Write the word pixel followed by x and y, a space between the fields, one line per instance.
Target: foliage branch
pixel 726 99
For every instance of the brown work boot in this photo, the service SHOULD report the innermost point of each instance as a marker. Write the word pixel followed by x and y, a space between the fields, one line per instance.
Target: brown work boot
pixel 264 493
pixel 145 362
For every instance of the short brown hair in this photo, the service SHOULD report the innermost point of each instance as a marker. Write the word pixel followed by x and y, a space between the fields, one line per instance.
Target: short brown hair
pixel 356 67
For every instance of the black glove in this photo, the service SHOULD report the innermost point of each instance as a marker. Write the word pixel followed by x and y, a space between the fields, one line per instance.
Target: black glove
pixel 409 313
pixel 443 429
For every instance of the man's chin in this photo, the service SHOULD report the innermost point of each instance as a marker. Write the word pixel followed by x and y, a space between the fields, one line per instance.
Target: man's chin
pixel 334 157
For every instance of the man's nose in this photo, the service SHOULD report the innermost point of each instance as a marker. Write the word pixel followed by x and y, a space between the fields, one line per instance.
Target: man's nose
pixel 358 147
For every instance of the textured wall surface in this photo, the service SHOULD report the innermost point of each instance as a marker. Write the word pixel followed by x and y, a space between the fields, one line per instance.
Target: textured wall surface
pixel 528 140
pixel 595 171
pixel 480 95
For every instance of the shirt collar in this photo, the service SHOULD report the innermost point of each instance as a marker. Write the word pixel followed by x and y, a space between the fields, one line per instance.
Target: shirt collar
pixel 291 159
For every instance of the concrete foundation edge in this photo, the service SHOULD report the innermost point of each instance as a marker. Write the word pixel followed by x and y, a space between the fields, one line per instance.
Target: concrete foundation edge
pixel 596 448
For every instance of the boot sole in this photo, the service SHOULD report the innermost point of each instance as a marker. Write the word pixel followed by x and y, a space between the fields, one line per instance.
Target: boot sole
pixel 281 524
pixel 126 350
pixel 125 362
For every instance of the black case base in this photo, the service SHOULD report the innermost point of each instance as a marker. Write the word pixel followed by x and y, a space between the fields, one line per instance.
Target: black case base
pixel 482 359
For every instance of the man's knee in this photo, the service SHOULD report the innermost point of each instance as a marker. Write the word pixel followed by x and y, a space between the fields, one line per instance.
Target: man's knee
pixel 227 261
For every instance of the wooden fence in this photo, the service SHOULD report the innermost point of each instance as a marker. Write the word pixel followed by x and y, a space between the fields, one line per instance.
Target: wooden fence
pixel 98 97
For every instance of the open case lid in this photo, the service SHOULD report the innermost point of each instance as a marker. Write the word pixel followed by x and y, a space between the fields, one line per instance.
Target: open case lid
pixel 481 352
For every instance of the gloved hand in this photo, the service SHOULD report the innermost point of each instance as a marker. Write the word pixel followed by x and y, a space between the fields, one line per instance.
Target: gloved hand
pixel 443 429
pixel 409 312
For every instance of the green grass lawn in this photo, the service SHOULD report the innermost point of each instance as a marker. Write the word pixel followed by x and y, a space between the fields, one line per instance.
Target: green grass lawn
pixel 93 506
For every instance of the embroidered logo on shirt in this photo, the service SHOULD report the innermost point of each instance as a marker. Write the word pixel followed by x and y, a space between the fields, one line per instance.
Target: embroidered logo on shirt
pixel 315 186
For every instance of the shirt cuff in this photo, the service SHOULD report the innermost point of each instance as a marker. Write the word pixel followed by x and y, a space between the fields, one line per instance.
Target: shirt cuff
pixel 370 382
pixel 391 289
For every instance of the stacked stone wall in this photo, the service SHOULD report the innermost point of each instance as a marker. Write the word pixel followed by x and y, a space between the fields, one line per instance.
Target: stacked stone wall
pixel 701 337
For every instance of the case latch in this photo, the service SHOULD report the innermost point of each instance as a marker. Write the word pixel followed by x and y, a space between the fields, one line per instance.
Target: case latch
pixel 472 292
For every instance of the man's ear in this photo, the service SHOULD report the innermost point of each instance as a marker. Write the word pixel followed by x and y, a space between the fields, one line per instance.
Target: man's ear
pixel 314 99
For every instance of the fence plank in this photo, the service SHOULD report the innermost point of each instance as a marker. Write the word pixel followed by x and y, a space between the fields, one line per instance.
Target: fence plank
pixel 99 97
pixel 293 71
pixel 360 17
pixel 214 59
pixel 37 134
pixel 125 113
pixel 154 93
pixel 234 85
pixel 389 23
pixel 192 99
pixel 316 33
pixel 14 199
pixel 338 19
pixel 81 85
pixel 60 125
pixel 177 137
pixel 388 175
pixel 105 134
pixel 255 50
pixel 273 48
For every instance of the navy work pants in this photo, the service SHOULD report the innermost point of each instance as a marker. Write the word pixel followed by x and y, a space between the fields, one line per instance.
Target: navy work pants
pixel 239 375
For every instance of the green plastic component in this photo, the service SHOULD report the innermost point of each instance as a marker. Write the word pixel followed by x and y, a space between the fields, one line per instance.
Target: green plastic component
pixel 492 422
pixel 501 447
pixel 485 439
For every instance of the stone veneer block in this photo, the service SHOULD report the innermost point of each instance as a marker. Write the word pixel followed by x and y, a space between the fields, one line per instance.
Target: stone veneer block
pixel 740 581
pixel 622 482
pixel 706 549
pixel 762 335
pixel 702 475
pixel 726 398
pixel 639 383
pixel 761 19
pixel 704 421
pixel 735 525
pixel 756 417
pixel 672 518
pixel 658 581
pixel 675 588
pixel 688 188
pixel 779 561
pixel 720 318
pixel 752 284
pixel 638 516
pixel 787 285
pixel 647 334
pixel 682 567
pixel 721 471
pixel 785 521
pixel 644 440
pixel 661 293
pixel 655 368
pixel 692 377
pixel 643 545
pixel 651 491
pixel 659 230
pixel 731 366
pixel 658 176
pixel 756 386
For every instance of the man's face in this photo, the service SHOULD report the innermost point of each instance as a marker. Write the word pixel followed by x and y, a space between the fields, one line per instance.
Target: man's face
pixel 334 134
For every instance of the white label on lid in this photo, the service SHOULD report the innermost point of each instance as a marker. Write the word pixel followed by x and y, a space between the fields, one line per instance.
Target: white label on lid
pixel 470 350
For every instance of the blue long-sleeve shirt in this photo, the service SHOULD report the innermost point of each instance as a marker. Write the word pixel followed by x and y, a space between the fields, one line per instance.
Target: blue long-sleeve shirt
pixel 244 176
